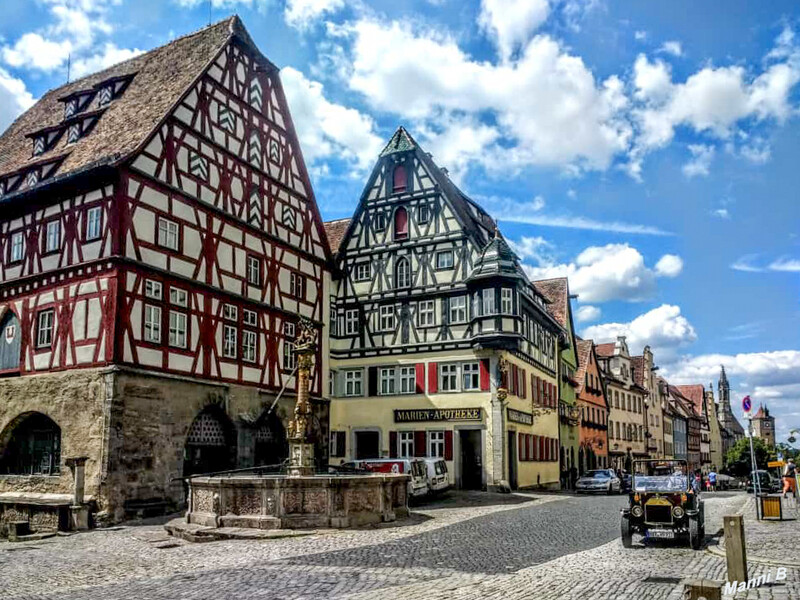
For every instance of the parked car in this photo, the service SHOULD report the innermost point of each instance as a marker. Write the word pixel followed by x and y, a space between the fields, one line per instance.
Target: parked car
pixel 438 480
pixel 662 504
pixel 625 480
pixel 599 480
pixel 767 483
pixel 415 467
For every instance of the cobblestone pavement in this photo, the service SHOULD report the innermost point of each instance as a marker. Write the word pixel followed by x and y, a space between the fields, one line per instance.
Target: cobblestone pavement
pixel 469 546
pixel 775 541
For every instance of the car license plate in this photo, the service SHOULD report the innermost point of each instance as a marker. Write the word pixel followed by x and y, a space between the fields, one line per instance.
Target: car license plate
pixel 662 534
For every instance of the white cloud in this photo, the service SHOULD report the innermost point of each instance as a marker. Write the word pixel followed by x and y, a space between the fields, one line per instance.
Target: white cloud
pixel 224 4
pixel 327 129
pixel 791 265
pixel 14 98
pixel 640 36
pixel 669 265
pixel 587 313
pixel 773 368
pixel 672 47
pixel 664 329
pixel 721 213
pixel 108 56
pixel 510 23
pixel 700 163
pixel 745 263
pixel 604 273
pixel 31 50
pixel 757 151
pixel 652 81
pixel 749 264
pixel 302 13
pixel 532 248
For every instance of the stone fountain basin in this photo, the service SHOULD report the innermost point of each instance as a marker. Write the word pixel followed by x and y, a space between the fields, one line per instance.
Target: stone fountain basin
pixel 297 502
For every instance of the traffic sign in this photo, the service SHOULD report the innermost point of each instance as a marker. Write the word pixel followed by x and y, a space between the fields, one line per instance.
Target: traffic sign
pixel 746 404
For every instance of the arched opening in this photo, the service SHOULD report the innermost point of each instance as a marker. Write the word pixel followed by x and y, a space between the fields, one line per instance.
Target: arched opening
pixel 10 336
pixel 401 224
pixel 402 273
pixel 399 179
pixel 32 446
pixel 210 443
pixel 271 447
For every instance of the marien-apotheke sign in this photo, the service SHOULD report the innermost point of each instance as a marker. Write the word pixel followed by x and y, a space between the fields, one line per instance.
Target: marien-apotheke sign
pixel 422 415
pixel 517 416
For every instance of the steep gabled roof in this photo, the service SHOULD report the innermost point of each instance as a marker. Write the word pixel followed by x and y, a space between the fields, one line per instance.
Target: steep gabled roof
pixel 695 394
pixel 159 78
pixel 761 413
pixel 556 292
pixel 335 230
pixel 605 349
pixel 497 258
pixel 584 353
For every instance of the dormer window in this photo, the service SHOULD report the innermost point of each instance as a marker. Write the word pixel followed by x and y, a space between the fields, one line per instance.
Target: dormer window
pixel 32 178
pixel 73 133
pixel 399 179
pixel 106 95
pixel 39 146
pixel 70 108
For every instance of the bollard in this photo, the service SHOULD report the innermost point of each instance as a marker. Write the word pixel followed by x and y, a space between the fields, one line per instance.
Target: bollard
pixel 734 548
pixel 702 589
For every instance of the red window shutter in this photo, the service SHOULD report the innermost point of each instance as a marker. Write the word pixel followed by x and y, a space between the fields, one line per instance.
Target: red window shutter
pixel 392 444
pixel 554 453
pixel 419 376
pixel 533 387
pixel 541 448
pixel 484 374
pixel 401 223
pixel 530 447
pixel 513 389
pixel 400 179
pixel 433 378
pixel 553 395
pixel 524 383
pixel 448 444
pixel 540 390
pixel 420 444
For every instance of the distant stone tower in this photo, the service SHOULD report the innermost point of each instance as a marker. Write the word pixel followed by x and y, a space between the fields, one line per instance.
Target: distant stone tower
pixel 764 426
pixel 726 417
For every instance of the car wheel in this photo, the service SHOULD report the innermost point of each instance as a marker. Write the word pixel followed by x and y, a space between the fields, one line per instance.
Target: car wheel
pixel 625 532
pixel 695 534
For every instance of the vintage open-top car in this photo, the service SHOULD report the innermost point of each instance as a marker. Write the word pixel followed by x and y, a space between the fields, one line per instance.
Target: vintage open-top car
pixel 663 504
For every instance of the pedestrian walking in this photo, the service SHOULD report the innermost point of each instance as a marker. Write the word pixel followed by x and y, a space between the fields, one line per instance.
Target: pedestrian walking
pixel 712 480
pixel 789 478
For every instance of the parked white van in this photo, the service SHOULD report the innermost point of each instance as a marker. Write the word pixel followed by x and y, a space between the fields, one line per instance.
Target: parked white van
pixel 418 486
pixel 438 480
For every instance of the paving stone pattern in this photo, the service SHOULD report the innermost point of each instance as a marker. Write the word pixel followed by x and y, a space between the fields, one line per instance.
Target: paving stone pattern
pixel 468 546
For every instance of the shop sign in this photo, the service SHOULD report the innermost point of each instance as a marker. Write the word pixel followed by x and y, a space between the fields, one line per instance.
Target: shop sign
pixel 423 415
pixel 517 416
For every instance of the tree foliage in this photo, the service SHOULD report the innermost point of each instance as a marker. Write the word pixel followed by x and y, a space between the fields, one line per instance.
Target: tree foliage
pixel 738 457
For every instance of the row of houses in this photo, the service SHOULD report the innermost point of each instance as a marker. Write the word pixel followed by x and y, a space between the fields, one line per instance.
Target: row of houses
pixel 160 242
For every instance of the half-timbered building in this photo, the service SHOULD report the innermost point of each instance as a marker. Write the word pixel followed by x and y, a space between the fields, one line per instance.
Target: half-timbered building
pixel 594 409
pixel 159 241
pixel 440 345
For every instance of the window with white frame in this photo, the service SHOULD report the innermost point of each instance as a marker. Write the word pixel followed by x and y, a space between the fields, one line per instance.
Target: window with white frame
pixel 444 259
pixel 153 289
pixel 386 380
pixel 250 317
pixel 470 374
pixel 168 235
pixel 230 312
pixel 177 329
pixel 53 239
pixel 253 270
pixel 458 309
pixel 387 320
pixel 354 383
pixel 406 449
pixel 423 213
pixel 408 380
pixel 426 313
pixel 436 444
pixel 332 383
pixel 351 321
pixel 94 217
pixel 488 302
pixel 448 377
pixel 289 356
pixel 362 271
pixel 297 285
pixel 44 328
pixel 248 345
pixel 229 341
pixel 380 221
pixel 178 297
pixel 152 324
pixel 506 301
pixel 17 246
pixel 402 273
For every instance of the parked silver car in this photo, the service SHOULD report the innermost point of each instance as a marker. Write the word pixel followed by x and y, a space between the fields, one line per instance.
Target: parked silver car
pixel 599 480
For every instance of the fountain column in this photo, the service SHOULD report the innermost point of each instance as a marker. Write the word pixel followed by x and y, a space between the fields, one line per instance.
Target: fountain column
pixel 301 447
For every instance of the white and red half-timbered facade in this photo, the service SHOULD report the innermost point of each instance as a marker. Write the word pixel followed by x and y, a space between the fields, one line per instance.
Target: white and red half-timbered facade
pixel 159 242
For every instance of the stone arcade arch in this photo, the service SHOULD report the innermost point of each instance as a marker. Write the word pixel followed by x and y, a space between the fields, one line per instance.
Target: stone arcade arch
pixel 31 445
pixel 210 443
pixel 271 446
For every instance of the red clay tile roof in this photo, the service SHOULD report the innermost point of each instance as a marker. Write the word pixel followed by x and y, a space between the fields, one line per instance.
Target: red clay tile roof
pixel 556 292
pixel 335 231
pixel 761 413
pixel 605 349
pixel 160 77
pixel 584 352
pixel 695 394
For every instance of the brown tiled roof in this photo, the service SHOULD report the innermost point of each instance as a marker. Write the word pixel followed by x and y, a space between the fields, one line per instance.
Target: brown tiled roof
pixel 605 349
pixel 335 231
pixel 695 394
pixel 584 352
pixel 161 76
pixel 761 413
pixel 556 292
pixel 637 362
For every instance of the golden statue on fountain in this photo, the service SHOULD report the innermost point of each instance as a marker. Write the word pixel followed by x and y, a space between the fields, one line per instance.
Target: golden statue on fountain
pixel 301 449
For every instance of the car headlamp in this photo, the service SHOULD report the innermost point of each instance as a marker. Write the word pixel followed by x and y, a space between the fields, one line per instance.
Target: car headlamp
pixel 678 512
pixel 637 511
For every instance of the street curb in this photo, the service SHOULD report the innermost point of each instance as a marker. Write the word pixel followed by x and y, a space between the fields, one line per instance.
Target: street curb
pixel 715 551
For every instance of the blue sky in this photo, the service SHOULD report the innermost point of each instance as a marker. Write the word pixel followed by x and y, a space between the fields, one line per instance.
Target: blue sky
pixel 646 149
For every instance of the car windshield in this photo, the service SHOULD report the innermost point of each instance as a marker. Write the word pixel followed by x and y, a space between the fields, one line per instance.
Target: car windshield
pixel 660 476
pixel 597 474
pixel 441 468
pixel 418 469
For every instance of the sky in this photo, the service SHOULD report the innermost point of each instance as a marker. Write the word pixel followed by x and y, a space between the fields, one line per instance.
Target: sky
pixel 647 150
